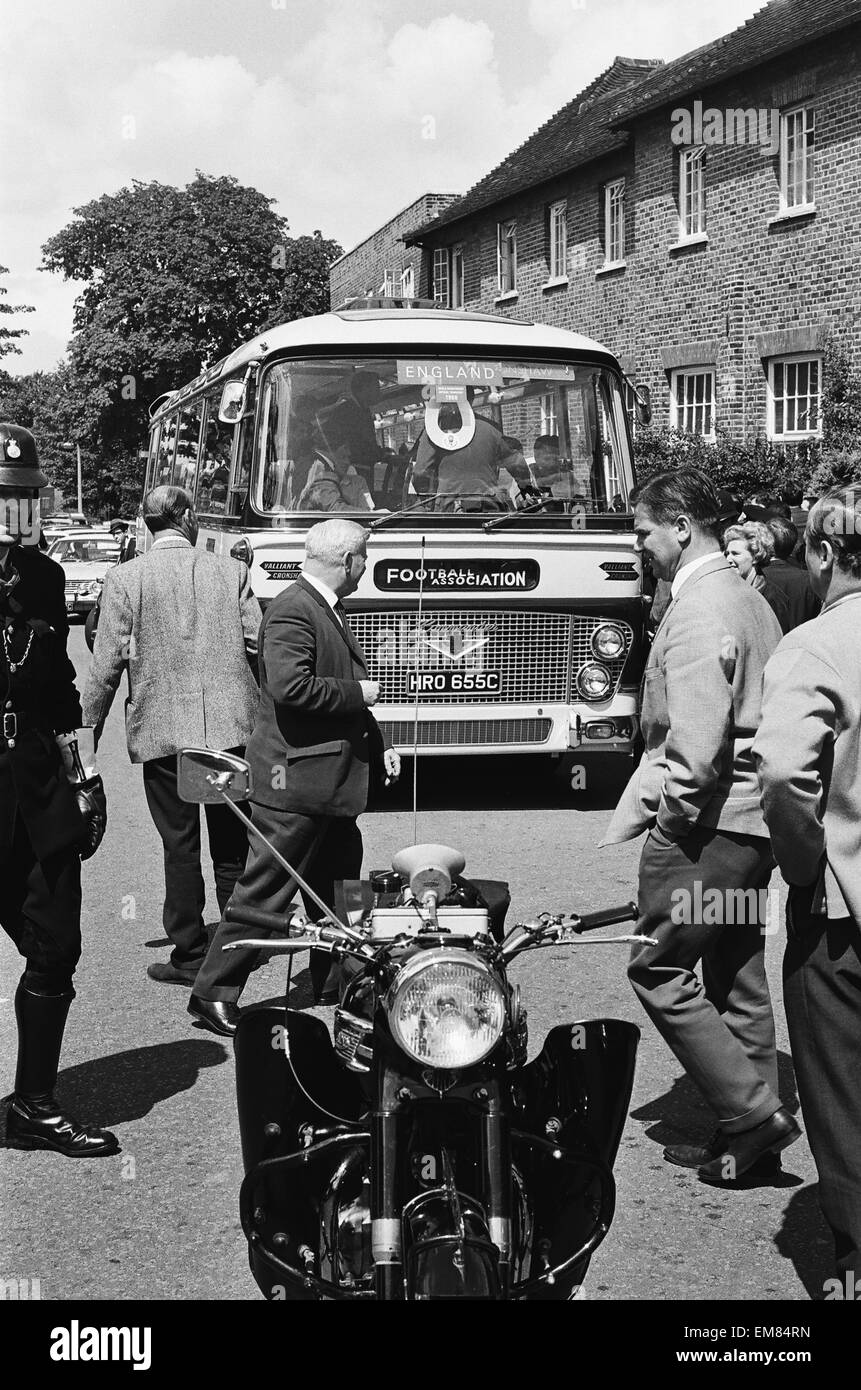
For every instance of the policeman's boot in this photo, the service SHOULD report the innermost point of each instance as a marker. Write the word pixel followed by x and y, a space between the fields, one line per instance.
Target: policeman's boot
pixel 34 1119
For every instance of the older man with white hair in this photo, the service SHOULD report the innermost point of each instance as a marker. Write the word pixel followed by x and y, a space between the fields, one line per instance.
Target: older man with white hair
pixel 311 753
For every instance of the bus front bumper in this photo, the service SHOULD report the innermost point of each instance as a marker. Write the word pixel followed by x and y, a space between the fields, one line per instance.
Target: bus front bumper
pixel 452 730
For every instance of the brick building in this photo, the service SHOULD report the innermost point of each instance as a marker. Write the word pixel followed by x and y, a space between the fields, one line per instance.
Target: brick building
pixel 383 264
pixel 702 218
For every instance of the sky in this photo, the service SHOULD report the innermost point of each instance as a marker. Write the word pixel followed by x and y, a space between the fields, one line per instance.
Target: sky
pixel 343 111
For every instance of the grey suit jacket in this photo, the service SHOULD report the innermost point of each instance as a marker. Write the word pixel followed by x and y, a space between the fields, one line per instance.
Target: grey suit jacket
pixel 699 710
pixel 183 623
pixel 808 750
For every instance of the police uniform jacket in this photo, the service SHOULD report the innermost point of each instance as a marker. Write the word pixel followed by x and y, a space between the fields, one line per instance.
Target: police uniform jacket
pixel 38 699
pixel 314 739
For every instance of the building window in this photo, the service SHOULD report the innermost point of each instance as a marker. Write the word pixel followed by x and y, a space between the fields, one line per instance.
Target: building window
pixel 693 401
pixel 558 240
pixel 614 222
pixel 440 274
pixel 408 283
pixel 389 283
pixel 692 193
pixel 507 257
pixel 448 276
pixel 548 414
pixel 456 277
pixel 794 397
pixel 796 158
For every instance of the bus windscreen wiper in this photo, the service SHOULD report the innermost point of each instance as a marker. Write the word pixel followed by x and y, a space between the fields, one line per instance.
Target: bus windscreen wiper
pixel 521 511
pixel 392 516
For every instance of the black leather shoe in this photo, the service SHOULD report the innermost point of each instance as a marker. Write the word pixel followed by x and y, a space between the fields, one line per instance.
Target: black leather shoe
pixel 695 1155
pixel 739 1152
pixel 328 996
pixel 218 1015
pixel 42 1125
pixel 168 974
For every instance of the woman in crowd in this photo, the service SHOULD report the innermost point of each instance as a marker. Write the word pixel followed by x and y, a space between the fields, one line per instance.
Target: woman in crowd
pixel 749 549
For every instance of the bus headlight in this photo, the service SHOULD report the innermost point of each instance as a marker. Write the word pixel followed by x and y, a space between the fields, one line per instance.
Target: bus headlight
pixel 608 642
pixel 593 681
pixel 446 1009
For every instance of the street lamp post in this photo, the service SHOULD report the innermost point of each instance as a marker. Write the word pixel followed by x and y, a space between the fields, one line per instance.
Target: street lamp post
pixel 67 444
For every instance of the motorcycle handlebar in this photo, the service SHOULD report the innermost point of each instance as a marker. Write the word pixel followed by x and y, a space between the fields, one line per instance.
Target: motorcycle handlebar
pixel 607 917
pixel 255 917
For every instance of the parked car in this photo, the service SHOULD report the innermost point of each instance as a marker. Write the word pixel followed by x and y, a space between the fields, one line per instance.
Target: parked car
pixel 85 555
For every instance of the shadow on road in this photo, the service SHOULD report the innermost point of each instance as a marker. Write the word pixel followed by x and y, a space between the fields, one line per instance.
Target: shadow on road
pixel 508 783
pixel 682 1116
pixel 804 1239
pixel 114 1090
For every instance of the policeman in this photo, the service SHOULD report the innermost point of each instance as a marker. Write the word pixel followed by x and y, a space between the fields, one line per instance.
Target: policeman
pixel 51 813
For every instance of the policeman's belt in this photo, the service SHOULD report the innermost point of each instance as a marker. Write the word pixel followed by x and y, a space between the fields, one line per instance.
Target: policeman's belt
pixel 13 725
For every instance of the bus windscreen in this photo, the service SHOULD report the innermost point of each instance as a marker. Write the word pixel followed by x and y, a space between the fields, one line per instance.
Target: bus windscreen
pixel 440 435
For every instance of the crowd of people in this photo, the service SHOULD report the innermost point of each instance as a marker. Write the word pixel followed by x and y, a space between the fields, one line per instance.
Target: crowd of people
pixel 750 719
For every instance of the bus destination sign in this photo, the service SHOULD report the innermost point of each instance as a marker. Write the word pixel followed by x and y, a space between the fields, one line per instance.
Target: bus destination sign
pixel 487 575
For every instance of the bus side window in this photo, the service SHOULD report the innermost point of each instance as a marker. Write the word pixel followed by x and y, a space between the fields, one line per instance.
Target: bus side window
pixel 164 458
pixel 187 447
pixel 214 471
pixel 242 472
pixel 152 460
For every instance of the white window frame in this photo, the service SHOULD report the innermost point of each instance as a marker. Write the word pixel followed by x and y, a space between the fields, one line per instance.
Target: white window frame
pixel 388 289
pixel 793 360
pixel 441 275
pixel 506 256
pixel 455 277
pixel 558 260
pixel 692 194
pixel 548 423
pixel 683 403
pixel 798 122
pixel 614 223
pixel 408 283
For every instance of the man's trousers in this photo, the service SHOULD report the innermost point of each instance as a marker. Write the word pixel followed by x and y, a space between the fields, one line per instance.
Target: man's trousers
pixel 703 899
pixel 322 849
pixel 178 824
pixel 822 998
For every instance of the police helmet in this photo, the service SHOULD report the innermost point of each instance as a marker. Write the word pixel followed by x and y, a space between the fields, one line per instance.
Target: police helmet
pixel 19 461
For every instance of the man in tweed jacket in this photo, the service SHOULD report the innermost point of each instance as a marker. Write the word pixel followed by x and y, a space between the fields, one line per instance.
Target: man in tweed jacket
pixel 183 623
pixel 707 860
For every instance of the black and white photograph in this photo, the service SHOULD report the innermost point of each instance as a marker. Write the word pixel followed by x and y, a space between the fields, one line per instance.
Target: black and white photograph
pixel 430 531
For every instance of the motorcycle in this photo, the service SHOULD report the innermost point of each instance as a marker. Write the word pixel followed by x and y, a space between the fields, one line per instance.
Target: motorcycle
pixel 419 1155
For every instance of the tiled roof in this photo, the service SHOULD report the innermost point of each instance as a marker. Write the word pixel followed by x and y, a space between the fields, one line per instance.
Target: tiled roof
pixel 778 28
pixel 578 133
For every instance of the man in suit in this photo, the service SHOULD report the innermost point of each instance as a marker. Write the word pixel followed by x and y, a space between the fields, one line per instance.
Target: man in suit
pixel 314 745
pixel 789 577
pixel 808 751
pixel 183 623
pixel 706 863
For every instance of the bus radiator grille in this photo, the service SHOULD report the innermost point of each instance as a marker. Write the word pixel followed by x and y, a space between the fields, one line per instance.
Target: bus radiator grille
pixel 473 733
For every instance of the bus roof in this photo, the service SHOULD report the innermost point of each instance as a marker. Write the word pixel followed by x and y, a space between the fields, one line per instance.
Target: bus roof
pixel 391 328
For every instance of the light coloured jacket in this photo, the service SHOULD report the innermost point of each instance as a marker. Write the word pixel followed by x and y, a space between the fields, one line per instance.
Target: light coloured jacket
pixel 699 710
pixel 183 623
pixel 808 751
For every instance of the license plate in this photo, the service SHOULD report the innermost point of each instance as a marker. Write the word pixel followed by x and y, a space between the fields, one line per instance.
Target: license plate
pixel 454 682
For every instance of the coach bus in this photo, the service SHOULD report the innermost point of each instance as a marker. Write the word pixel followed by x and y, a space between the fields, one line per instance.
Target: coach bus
pixel 491 462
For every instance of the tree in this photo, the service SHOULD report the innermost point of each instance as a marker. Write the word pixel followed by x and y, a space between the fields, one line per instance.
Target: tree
pixel 307 260
pixel 9 336
pixel 173 278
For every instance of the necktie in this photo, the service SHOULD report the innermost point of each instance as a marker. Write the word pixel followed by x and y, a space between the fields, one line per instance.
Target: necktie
pixel 341 614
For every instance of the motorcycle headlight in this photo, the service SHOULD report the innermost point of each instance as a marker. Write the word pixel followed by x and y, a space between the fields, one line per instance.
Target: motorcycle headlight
pixel 608 642
pixel 446 1009
pixel 593 681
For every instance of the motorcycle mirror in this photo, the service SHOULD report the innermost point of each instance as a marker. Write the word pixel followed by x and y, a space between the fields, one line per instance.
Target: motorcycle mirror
pixel 202 776
pixel 429 868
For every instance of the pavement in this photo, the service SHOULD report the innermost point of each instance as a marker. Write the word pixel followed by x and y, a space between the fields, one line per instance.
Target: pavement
pixel 160 1221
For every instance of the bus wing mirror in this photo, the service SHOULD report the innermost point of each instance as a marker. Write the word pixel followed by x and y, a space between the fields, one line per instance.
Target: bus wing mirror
pixel 232 400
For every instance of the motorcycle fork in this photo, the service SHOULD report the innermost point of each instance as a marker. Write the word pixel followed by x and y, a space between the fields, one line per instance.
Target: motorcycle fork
pixel 496 1166
pixel 386 1242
